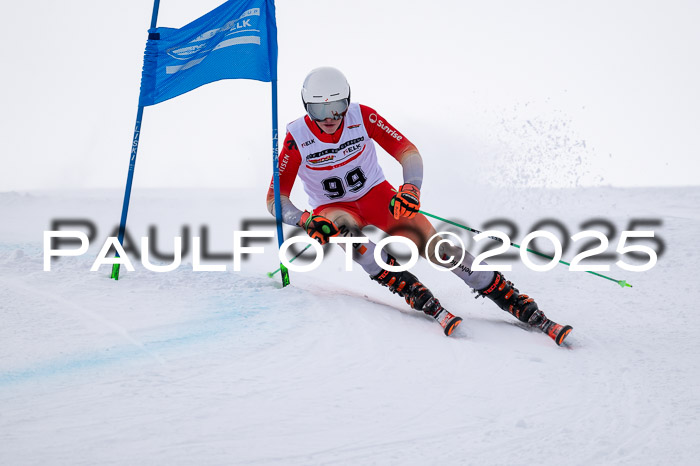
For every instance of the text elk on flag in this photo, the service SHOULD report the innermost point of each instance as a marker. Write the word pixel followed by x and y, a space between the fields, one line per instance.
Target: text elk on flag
pixel 237 40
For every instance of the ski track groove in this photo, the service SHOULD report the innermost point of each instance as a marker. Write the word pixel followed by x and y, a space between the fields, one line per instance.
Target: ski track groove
pixel 115 328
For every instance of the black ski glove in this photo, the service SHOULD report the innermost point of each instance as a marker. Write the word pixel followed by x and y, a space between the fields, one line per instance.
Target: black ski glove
pixel 318 227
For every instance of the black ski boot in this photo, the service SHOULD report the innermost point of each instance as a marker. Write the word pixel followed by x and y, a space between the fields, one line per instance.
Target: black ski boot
pixel 417 295
pixel 506 296
pixel 522 307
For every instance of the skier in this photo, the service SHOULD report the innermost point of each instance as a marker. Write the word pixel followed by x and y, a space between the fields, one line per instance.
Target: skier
pixel 331 150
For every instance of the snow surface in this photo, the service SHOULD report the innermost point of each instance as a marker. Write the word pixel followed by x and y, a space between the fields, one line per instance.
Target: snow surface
pixel 229 368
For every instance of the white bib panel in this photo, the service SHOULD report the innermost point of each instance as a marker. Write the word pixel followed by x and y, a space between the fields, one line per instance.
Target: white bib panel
pixel 337 172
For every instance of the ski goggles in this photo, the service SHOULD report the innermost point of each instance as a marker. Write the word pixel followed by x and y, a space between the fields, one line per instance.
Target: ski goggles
pixel 322 110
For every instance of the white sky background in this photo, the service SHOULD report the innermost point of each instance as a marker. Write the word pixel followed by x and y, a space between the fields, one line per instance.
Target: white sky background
pixel 513 93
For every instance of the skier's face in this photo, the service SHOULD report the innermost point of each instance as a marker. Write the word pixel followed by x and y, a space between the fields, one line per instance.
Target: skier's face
pixel 329 125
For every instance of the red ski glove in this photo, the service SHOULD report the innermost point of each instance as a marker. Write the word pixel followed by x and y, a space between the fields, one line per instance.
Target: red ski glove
pixel 319 228
pixel 406 202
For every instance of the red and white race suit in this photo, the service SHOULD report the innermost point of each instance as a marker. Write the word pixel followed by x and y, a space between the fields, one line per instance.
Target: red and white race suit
pixel 338 167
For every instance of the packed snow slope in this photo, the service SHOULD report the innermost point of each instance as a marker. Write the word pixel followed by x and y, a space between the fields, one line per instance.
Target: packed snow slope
pixel 229 368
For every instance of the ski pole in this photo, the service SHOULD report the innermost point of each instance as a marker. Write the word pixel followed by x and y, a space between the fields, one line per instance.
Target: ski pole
pixel 622 283
pixel 272 274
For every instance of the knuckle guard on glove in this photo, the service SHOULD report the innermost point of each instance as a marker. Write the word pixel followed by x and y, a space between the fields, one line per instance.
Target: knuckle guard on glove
pixel 406 202
pixel 318 227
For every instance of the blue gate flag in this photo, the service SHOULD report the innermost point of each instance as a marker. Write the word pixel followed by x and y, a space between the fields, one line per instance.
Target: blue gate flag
pixel 237 40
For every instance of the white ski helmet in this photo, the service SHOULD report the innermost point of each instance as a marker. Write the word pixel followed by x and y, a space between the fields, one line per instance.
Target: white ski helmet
pixel 326 94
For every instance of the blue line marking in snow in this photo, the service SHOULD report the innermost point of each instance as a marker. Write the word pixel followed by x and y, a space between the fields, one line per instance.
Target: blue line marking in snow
pixel 226 322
